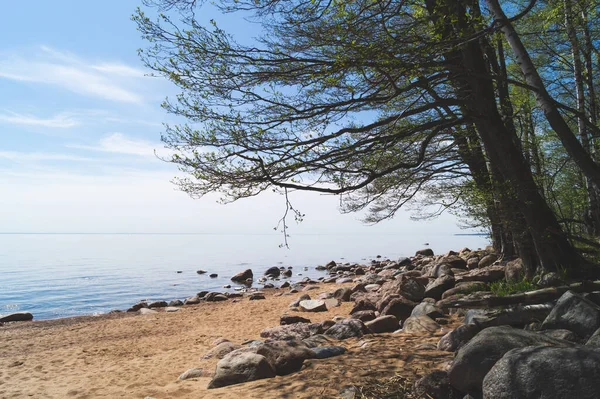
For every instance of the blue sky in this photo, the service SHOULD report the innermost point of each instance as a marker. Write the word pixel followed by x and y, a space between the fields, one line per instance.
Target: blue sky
pixel 80 121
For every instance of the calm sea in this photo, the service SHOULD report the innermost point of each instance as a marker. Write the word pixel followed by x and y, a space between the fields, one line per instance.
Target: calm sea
pixel 62 275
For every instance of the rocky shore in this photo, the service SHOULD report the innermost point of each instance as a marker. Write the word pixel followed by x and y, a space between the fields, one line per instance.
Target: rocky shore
pixel 432 319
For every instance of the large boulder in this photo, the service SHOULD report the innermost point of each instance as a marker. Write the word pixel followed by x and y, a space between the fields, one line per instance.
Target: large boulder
pixel 324 352
pixel 243 276
pixel 436 288
pixel 457 338
pixel 236 368
pixel 362 304
pixel 514 270
pixel 348 328
pixel 411 289
pixel 383 324
pixel 313 305
pixel 545 373
pixel 487 274
pixel 427 309
pixel 401 308
pixel 221 350
pixel 292 319
pixel 478 356
pixel 455 262
pixel 273 272
pixel 420 325
pixel 364 315
pixel 286 356
pixel 487 260
pixel 466 288
pixel 425 252
pixel 575 313
pixel 342 294
pixel 436 385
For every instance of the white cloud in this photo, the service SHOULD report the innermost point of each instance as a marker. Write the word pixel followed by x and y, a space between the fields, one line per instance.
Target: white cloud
pixel 110 81
pixel 62 120
pixel 119 143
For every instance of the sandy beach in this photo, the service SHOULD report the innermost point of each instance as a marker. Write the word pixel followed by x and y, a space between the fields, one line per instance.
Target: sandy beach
pixel 136 356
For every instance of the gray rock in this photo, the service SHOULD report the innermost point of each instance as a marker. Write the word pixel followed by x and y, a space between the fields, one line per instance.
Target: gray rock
pixel 575 313
pixel 256 296
pixel 436 288
pixel 364 315
pixel 215 297
pixel 138 306
pixel 420 325
pixel 158 304
pixel 296 303
pixel 457 338
pixel 487 260
pixel 383 324
pixel 476 358
pixel 287 319
pixel 201 271
pixel 436 385
pixel 487 274
pixel 348 328
pixel 19 316
pixel 240 368
pixel 399 307
pixel 331 303
pixel 518 317
pixel 594 340
pixel 427 309
pixel 194 300
pixel 243 276
pixel 425 252
pixel 455 262
pixel 441 269
pixel 147 311
pixel 273 272
pixel 362 304
pixel 562 334
pixel 550 280
pixel 171 309
pixel 286 356
pixel 313 305
pixel 545 373
pixel 411 289
pixel 175 302
pixel 213 275
pixel 324 352
pixel 193 373
pixel 466 288
pixel 514 270
pixel 318 340
pixel 219 351
pixel 296 330
pixel 310 287
pixel 342 294
pixel 403 261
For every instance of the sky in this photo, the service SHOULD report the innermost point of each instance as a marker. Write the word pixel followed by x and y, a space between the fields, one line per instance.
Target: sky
pixel 80 126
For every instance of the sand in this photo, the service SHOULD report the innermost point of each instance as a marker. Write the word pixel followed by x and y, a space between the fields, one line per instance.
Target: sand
pixel 135 356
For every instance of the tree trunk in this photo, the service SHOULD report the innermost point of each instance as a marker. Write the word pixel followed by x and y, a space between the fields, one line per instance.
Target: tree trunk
pixel 544 100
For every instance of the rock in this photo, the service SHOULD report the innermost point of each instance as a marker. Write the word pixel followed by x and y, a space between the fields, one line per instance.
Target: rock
pixel 296 303
pixel 193 373
pixel 296 330
pixel 287 319
pixel 219 341
pixel 476 358
pixel 441 269
pixel 215 297
pixel 372 287
pixel 427 309
pixel 473 263
pixel 313 305
pixel 436 288
pixel 286 356
pixel 273 272
pixel 550 280
pixel 331 303
pixel 401 308
pixel 487 275
pixel 362 304
pixel 425 252
pixel 243 276
pixel 310 288
pixel 344 280
pixel 213 275
pixel 147 311
pixel 221 350
pixel 562 334
pixel 318 340
pixel 19 316
pixel 324 352
pixel 138 306
pixel 256 296
pixel 545 372
pixel 342 294
pixel 348 328
pixel 594 340
pixel 575 313
pixel 320 328
pixel 514 270
pixel 331 264
pixel 194 300
pixel 466 288
pixel 364 315
pixel 457 338
pixel 242 367
pixel 455 262
pixel 487 260
pixel 411 289
pixel 420 325
pixel 201 271
pixel 383 324
pixel 436 384
pixel 517 317
pixel 287 273
pixel 171 309
pixel 403 261
pixel 176 302
pixel 158 304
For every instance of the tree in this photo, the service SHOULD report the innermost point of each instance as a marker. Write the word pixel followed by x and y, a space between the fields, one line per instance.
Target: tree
pixel 368 99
